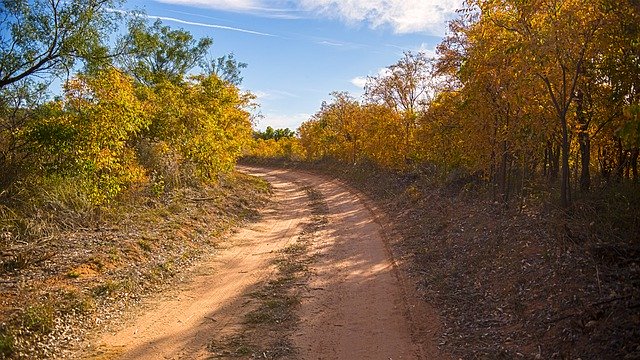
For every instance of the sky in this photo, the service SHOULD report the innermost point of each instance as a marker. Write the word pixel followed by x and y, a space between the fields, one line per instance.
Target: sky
pixel 298 52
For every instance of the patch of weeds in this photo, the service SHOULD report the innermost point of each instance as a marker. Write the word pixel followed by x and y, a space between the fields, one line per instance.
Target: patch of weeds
pixel 166 267
pixel 39 319
pixel 274 309
pixel 233 346
pixel 188 256
pixel 74 274
pixel 259 317
pixel 318 205
pixel 175 208
pixel 75 302
pixel 7 344
pixel 98 262
pixel 162 271
pixel 106 288
pixel 15 263
pixel 296 248
pixel 258 183
pixel 114 255
pixel 145 245
pixel 291 267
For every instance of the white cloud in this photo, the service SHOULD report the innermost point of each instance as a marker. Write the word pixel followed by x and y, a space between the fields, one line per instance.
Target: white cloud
pixel 359 81
pixel 404 16
pixel 281 121
pixel 430 51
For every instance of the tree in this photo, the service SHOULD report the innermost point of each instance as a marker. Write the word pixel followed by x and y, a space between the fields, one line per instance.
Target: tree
pixel 277 134
pixel 554 39
pixel 205 119
pixel 227 68
pixel 90 133
pixel 405 87
pixel 156 53
pixel 47 37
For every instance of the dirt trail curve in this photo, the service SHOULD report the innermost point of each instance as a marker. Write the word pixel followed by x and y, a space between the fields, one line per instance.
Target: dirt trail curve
pixel 357 306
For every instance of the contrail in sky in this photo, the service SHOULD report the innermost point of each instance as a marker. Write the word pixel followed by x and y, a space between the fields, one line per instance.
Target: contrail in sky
pixel 194 23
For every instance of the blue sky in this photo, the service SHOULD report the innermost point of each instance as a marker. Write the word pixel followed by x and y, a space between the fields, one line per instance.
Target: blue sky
pixel 299 51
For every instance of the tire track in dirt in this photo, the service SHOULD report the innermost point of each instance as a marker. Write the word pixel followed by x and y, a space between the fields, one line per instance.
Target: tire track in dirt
pixel 359 305
pixel 356 306
pixel 180 325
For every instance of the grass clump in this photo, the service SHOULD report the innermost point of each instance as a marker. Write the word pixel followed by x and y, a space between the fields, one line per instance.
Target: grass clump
pixel 39 319
pixel 6 344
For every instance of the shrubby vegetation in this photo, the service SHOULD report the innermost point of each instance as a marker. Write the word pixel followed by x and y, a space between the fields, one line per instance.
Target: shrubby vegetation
pixel 274 144
pixel 521 95
pixel 143 128
pixel 133 116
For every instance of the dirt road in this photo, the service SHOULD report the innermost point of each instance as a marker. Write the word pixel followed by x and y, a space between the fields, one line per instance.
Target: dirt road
pixel 356 308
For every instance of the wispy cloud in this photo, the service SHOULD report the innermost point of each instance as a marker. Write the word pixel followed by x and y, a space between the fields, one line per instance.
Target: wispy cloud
pixel 265 8
pixel 331 43
pixel 403 16
pixel 214 26
pixel 271 94
pixel 195 23
pixel 337 43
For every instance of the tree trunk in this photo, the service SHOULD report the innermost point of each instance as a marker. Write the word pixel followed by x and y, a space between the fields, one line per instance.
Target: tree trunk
pixel 634 163
pixel 554 162
pixel 547 160
pixel 585 144
pixel 622 161
pixel 504 182
pixel 605 168
pixel 565 195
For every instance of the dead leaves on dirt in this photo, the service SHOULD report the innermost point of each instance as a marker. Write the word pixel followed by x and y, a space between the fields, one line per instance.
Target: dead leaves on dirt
pixel 84 278
pixel 508 283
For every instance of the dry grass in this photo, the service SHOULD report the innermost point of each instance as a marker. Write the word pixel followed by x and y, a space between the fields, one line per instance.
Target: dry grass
pixel 61 275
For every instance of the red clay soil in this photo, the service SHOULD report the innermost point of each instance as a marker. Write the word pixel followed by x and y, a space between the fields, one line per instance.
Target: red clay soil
pixel 360 305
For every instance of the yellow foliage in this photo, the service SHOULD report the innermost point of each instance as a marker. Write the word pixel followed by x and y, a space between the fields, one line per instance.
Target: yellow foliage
pixel 284 148
pixel 204 120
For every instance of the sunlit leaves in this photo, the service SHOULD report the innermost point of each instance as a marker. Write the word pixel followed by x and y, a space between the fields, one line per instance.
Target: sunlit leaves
pixel 116 132
pixel 520 91
pixel 88 133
